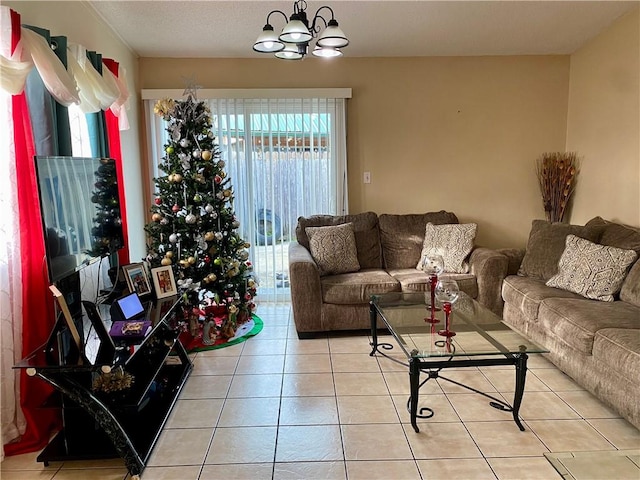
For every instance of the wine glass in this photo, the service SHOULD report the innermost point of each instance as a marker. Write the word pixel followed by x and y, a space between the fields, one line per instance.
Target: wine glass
pixel 447 292
pixel 433 265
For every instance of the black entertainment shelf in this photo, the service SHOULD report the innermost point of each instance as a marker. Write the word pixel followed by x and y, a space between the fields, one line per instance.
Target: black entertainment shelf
pixel 126 423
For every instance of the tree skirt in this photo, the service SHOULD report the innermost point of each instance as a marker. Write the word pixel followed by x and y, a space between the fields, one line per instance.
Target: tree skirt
pixel 248 329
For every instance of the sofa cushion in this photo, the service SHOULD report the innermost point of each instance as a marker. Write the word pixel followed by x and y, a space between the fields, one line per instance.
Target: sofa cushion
pixel 546 244
pixel 630 291
pixel 413 280
pixel 333 248
pixel 620 349
pixel 453 242
pixel 592 270
pixel 357 288
pixel 525 294
pixel 576 321
pixel 616 234
pixel 365 227
pixel 402 236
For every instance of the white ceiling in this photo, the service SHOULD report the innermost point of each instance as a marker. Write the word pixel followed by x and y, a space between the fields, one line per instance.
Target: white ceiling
pixel 184 29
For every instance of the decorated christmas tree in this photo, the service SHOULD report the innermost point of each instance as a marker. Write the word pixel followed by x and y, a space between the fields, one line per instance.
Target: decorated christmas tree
pixel 193 228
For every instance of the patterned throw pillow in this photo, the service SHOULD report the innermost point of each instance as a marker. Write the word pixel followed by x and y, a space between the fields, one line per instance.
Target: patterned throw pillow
pixel 592 270
pixel 333 248
pixel 453 241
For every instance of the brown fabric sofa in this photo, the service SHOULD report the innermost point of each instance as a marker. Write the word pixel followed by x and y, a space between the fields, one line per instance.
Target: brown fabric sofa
pixel 596 343
pixel 388 249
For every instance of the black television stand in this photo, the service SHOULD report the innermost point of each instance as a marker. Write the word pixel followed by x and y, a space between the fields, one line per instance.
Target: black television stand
pixel 125 423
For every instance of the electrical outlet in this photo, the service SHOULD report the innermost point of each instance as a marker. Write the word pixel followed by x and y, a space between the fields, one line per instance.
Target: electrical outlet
pixel 367 177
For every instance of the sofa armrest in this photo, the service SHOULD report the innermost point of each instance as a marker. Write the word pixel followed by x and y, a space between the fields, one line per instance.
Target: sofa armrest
pixel 306 290
pixel 515 256
pixel 490 269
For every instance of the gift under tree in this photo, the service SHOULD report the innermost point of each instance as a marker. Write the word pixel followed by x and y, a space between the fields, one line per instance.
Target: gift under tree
pixel 193 228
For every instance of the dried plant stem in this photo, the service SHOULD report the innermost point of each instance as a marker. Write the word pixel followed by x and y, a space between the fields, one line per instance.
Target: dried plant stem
pixel 557 172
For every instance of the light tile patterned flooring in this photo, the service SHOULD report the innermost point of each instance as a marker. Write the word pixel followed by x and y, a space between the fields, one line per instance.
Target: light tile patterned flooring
pixel 275 407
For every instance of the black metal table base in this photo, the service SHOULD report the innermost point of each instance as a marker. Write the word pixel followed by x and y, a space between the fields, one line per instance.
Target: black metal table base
pixel 433 367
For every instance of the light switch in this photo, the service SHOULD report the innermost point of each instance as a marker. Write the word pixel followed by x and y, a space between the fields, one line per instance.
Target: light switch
pixel 367 177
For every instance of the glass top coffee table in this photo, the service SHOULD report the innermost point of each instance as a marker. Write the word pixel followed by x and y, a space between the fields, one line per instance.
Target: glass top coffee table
pixel 477 338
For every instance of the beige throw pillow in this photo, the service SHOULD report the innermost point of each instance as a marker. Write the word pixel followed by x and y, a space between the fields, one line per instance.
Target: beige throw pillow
pixel 333 248
pixel 453 242
pixel 592 270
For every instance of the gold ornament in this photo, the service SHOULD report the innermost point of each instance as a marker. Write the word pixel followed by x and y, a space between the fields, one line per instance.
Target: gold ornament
pixel 166 261
pixel 227 193
pixel 177 178
pixel 191 260
pixel 184 263
pixel 156 217
pixel 169 254
pixel 212 277
pixel 206 155
pixel 209 236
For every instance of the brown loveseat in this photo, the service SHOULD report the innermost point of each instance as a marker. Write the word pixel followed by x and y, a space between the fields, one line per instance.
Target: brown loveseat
pixel 597 343
pixel 388 250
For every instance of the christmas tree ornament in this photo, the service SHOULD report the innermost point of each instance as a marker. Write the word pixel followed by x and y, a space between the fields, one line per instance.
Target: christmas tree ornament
pixel 207 259
pixel 165 262
pixel 227 193
pixel 220 196
pixel 217 262
pixel 209 236
pixel 156 217
pixel 173 238
pixel 170 177
pixel 197 153
pixel 158 201
pixel 190 218
pixel 197 198
pixel 184 263
pixel 164 221
pixel 184 143
pixel 177 178
pixel 206 155
pixel 218 236
pixel 191 260
pixel 175 208
pixel 169 254
pixel 214 215
pixel 217 179
pixel 221 164
pixel 200 178
pixel 169 150
pixel 209 208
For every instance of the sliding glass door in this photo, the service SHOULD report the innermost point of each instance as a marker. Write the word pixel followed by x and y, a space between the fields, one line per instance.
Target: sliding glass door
pixel 283 159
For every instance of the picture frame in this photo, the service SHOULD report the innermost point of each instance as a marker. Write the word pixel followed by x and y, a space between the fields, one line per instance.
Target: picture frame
pixel 71 326
pixel 164 282
pixel 137 281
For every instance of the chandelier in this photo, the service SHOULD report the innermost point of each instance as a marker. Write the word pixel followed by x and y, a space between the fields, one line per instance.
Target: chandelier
pixel 293 41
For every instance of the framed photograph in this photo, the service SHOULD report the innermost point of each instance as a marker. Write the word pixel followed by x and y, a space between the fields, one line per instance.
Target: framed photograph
pixel 163 281
pixel 136 277
pixel 75 335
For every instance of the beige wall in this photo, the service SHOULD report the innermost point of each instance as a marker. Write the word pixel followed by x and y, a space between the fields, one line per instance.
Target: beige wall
pixel 454 133
pixel 81 25
pixel 604 123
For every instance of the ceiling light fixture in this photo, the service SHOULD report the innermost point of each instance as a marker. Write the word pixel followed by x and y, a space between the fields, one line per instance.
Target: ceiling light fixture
pixel 293 41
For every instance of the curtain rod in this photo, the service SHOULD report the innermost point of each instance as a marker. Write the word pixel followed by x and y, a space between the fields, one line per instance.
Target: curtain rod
pixel 208 93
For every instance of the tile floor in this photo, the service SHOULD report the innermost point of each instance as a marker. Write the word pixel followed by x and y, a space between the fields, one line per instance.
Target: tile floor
pixel 275 407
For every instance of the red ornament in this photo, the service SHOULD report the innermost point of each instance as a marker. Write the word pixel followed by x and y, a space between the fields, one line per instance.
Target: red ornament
pixel 207 259
pixel 158 201
pixel 175 208
pixel 218 179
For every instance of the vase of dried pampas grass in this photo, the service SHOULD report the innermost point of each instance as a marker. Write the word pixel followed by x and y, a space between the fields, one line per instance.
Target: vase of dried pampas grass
pixel 557 174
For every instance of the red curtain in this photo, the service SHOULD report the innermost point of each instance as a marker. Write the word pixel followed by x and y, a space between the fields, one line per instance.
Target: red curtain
pixel 113 137
pixel 37 304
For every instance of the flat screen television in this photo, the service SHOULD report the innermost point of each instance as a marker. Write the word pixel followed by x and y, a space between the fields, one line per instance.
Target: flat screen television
pixel 80 211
